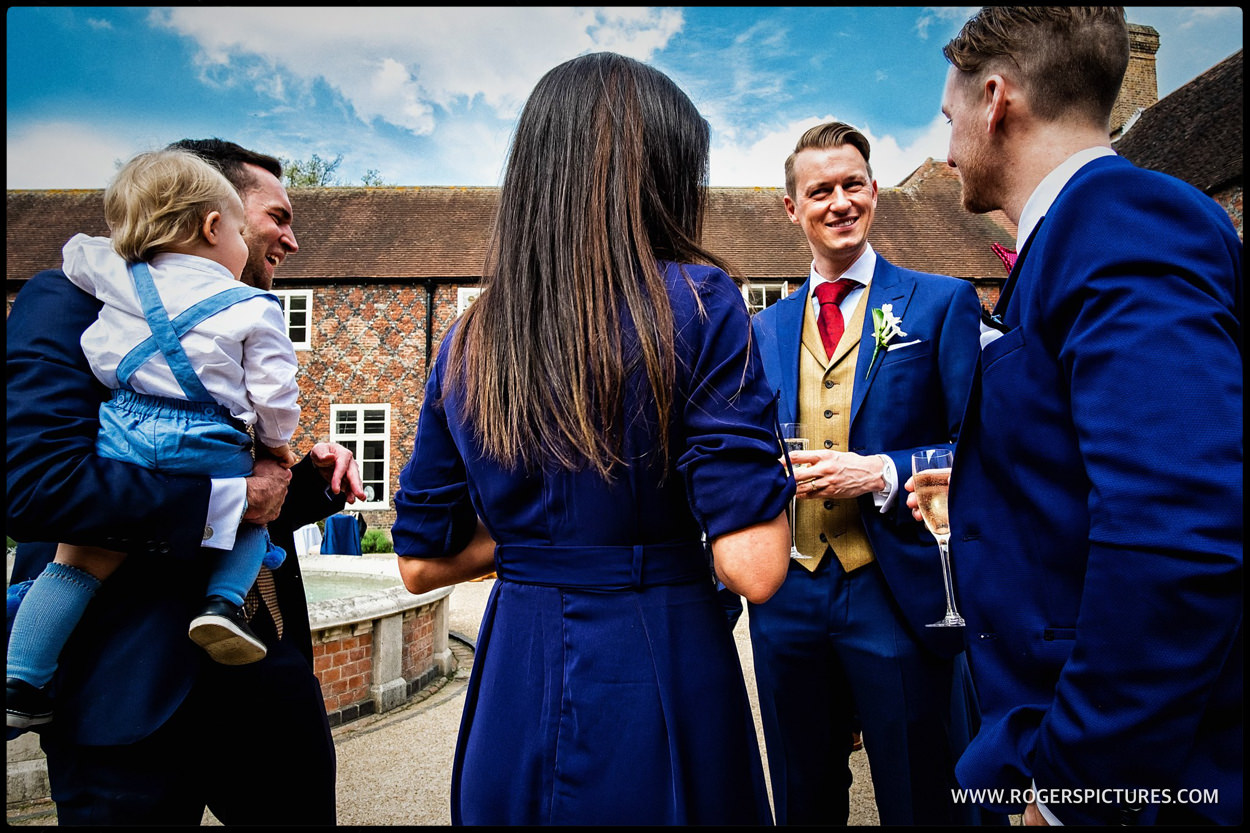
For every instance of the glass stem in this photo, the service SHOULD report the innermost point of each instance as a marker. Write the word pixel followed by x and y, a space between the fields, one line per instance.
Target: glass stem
pixel 946 578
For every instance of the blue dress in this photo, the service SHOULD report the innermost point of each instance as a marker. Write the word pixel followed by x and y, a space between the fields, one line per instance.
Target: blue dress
pixel 606 687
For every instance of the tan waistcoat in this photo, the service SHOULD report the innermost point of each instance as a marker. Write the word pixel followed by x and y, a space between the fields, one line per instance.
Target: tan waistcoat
pixel 825 388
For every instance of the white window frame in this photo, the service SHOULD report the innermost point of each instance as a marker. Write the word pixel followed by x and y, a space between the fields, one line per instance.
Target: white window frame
pixel 757 295
pixel 355 440
pixel 285 295
pixel 466 295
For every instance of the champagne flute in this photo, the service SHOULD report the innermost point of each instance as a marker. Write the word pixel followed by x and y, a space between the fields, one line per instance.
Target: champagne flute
pixel 931 475
pixel 794 435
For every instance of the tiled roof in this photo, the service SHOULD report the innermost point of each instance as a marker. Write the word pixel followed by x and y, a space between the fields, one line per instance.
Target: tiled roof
pixel 393 233
pixel 38 223
pixel 1194 133
pixel 390 232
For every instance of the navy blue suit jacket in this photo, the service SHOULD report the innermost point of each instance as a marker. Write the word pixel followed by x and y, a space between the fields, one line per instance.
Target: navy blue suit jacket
pixel 913 398
pixel 129 663
pixel 1097 530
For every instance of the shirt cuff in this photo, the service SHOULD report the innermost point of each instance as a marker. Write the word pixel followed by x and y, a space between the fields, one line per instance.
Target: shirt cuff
pixel 1046 814
pixel 226 504
pixel 884 499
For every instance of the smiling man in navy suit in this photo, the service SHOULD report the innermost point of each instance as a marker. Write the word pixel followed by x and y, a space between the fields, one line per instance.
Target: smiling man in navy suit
pixel 846 634
pixel 1096 504
pixel 147 729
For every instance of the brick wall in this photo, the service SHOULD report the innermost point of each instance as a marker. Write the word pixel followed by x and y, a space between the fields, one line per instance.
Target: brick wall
pixel 343 662
pixel 418 642
pixel 369 347
pixel 1230 200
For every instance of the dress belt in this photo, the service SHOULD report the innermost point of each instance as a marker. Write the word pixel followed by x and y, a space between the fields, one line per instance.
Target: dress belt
pixel 603 568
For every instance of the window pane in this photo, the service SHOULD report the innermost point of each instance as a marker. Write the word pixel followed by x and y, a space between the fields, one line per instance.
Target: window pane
pixel 365 430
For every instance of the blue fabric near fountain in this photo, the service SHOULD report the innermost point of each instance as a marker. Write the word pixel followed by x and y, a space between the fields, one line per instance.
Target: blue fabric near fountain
pixel 342 536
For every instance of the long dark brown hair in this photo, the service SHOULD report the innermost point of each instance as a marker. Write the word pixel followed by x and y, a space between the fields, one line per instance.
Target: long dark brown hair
pixel 606 175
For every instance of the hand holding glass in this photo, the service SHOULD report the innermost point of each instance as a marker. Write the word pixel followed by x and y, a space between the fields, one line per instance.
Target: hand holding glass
pixel 931 475
pixel 794 435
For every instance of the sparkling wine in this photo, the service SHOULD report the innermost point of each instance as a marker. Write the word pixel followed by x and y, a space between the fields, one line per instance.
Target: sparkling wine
pixel 932 487
pixel 796 443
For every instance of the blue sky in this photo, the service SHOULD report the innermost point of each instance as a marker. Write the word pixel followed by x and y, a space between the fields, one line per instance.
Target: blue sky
pixel 429 96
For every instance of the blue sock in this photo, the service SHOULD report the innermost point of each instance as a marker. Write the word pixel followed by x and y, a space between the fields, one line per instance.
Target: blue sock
pixel 236 569
pixel 47 616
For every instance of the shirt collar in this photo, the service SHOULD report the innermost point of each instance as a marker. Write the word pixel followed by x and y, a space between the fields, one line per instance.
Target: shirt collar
pixel 177 260
pixel 1047 191
pixel 860 271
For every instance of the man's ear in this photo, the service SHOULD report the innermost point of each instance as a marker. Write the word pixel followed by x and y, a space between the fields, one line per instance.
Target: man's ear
pixel 994 95
pixel 789 204
pixel 210 229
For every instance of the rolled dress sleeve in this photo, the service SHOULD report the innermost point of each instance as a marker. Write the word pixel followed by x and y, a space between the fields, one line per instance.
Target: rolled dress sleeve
pixel 434 515
pixel 730 454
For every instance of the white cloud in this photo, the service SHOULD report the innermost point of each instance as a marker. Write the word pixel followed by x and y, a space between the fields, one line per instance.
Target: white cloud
pixel 400 65
pixel 761 162
pixel 69 155
pixel 1203 15
pixel 892 162
pixel 943 18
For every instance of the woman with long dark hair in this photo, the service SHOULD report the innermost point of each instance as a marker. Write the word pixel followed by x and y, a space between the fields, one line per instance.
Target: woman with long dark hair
pixel 595 417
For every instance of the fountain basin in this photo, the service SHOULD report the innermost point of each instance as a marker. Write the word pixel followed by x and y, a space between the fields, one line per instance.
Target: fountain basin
pixel 375 645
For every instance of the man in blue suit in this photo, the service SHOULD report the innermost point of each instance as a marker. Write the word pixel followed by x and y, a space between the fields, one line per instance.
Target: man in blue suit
pixel 1096 503
pixel 148 729
pixel 846 633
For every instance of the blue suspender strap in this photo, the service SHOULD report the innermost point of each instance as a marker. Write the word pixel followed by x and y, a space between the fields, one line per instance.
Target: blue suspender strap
pixel 179 327
pixel 163 332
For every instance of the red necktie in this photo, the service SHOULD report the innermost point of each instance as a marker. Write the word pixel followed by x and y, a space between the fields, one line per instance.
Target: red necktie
pixel 830 295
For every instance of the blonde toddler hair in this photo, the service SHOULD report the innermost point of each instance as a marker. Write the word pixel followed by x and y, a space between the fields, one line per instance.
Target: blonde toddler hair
pixel 158 201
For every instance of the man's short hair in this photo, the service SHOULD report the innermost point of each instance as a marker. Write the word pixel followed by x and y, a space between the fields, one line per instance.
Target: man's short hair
pixel 159 199
pixel 831 134
pixel 232 160
pixel 1069 59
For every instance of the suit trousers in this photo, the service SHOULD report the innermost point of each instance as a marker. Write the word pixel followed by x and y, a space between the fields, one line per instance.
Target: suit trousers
pixel 827 646
pixel 251 743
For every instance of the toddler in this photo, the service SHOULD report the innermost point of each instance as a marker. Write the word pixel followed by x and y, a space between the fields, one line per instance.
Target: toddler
pixel 193 359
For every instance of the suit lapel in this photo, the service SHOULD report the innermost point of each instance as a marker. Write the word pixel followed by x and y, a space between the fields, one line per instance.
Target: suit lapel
pixel 890 285
pixel 789 331
pixel 1004 297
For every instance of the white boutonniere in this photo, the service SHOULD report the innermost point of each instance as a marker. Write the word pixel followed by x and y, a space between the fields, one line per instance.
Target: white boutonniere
pixel 885 326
